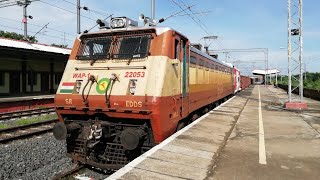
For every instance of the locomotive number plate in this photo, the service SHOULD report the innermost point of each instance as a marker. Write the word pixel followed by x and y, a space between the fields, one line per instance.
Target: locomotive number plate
pixel 134 74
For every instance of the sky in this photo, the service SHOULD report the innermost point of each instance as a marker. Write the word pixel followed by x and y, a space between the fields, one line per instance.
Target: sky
pixel 238 24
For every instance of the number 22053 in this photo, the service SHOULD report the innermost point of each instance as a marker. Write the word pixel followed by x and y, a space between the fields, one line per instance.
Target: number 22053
pixel 134 74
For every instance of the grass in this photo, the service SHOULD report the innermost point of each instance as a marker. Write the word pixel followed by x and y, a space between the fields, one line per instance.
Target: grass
pixel 3 126
pixel 26 121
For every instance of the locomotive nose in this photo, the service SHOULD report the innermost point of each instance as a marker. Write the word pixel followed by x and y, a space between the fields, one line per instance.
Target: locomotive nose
pixel 60 131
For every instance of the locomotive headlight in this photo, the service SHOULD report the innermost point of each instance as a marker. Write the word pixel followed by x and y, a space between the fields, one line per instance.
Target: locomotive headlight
pixel 78 86
pixel 122 22
pixel 118 22
pixel 132 86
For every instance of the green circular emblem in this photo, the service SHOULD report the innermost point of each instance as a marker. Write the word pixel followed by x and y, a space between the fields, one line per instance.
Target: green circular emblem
pixel 102 85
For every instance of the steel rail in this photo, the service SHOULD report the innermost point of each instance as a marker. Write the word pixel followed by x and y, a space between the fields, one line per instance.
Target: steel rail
pixel 20 132
pixel 23 113
pixel 68 173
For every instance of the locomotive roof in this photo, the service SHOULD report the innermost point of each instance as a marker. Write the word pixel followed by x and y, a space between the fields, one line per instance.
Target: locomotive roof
pixel 195 50
pixel 158 30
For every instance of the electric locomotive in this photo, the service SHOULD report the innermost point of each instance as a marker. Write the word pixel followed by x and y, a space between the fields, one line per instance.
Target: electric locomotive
pixel 127 88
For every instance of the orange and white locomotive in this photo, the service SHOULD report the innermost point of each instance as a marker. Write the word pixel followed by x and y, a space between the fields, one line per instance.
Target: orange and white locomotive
pixel 127 88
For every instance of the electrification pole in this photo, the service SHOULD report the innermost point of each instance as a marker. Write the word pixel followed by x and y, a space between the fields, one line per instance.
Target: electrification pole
pixel 266 68
pixel 276 77
pixel 78 16
pixel 289 50
pixel 152 9
pixel 226 56
pixel 25 18
pixel 300 52
pixel 295 64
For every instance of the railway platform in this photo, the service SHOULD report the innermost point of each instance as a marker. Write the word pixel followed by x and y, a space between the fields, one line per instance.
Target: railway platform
pixel 251 136
pixel 25 102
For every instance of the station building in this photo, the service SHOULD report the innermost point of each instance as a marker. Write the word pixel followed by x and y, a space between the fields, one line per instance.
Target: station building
pixel 30 68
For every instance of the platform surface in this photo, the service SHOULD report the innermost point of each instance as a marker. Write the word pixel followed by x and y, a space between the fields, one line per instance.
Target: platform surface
pixel 25 98
pixel 246 138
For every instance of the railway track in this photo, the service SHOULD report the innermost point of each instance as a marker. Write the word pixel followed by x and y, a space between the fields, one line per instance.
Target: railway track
pixel 18 114
pixel 68 173
pixel 20 132
pixel 83 172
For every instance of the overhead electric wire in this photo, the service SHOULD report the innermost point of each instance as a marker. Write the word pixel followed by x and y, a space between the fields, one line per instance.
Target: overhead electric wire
pixel 65 9
pixel 190 16
pixel 61 38
pixel 8 19
pixel 11 27
pixel 35 32
pixel 89 9
pixel 13 3
pixel 97 12
pixel 69 2
pixel 53 5
pixel 8 4
pixel 200 23
pixel 196 13
pixel 172 15
pixel 97 23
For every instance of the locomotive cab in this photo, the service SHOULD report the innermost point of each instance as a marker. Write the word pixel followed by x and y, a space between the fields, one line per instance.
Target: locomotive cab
pixel 120 93
pixel 127 88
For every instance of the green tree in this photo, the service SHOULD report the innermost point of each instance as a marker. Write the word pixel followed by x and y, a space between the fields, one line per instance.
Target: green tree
pixel 311 81
pixel 13 35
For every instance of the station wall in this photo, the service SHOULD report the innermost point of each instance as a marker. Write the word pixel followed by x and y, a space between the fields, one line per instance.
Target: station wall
pixel 4 82
pixel 38 75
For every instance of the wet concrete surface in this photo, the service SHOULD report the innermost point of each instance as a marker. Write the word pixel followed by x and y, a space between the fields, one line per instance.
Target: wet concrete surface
pixel 192 152
pixel 292 141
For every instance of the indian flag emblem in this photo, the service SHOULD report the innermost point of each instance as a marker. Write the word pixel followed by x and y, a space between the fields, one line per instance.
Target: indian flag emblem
pixel 102 85
pixel 67 87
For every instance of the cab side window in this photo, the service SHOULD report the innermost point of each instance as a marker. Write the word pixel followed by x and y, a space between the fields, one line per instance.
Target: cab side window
pixel 176 49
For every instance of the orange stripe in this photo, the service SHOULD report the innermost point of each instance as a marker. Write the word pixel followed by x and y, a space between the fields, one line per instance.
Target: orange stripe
pixel 68 84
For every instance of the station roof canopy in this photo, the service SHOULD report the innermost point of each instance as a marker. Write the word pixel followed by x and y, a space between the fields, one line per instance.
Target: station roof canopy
pixel 24 45
pixel 265 72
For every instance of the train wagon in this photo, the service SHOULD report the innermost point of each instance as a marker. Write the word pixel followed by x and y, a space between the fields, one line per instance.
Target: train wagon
pixel 245 82
pixel 236 80
pixel 127 88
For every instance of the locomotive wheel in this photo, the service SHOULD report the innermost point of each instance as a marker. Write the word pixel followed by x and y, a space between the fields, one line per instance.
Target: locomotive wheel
pixel 194 117
pixel 180 126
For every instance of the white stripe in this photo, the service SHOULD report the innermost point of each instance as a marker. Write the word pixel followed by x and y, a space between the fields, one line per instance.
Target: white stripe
pixel 67 87
pixel 144 156
pixel 262 148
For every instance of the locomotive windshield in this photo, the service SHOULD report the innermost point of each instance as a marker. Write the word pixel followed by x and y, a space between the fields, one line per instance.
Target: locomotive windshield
pixel 120 47
pixel 132 47
pixel 94 48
